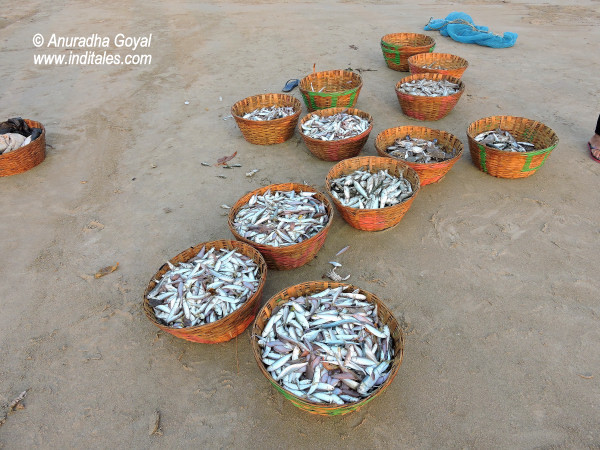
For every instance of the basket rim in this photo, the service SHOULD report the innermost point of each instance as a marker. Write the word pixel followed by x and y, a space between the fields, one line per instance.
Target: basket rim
pixel 471 137
pixel 433 77
pixel 28 147
pixel 367 160
pixel 408 34
pixel 396 361
pixel 273 187
pixel 423 165
pixel 310 76
pixel 256 255
pixel 295 101
pixel 334 110
pixel 435 55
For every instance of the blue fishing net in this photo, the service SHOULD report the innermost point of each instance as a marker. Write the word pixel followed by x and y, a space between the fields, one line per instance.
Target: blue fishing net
pixel 460 27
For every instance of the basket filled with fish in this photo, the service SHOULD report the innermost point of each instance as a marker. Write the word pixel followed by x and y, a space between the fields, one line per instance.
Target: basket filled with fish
pixel 432 153
pixel 22 145
pixel 329 348
pixel 442 63
pixel 267 118
pixel 428 96
pixel 287 223
pixel 209 293
pixel 398 47
pixel 329 89
pixel 372 193
pixel 334 134
pixel 509 146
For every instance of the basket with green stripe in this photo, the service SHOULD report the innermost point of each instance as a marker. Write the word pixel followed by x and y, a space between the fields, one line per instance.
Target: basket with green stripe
pixel 398 47
pixel 329 89
pixel 306 289
pixel 505 164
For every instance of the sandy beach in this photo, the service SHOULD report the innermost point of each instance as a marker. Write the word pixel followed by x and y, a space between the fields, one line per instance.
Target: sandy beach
pixel 495 281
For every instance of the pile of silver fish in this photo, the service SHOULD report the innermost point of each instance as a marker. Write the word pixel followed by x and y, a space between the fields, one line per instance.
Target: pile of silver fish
pixel 338 126
pixel 419 150
pixel 365 190
pixel 429 88
pixel 328 347
pixel 204 289
pixel 281 218
pixel 270 113
pixel 503 140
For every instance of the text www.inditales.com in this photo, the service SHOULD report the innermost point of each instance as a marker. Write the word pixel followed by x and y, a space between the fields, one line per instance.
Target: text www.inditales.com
pixel 91 58
pixel 87 50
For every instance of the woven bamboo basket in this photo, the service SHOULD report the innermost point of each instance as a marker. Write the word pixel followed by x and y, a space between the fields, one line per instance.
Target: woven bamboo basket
pixel 453 65
pixel 428 108
pixel 229 326
pixel 374 219
pixel 505 164
pixel 290 256
pixel 428 173
pixel 329 89
pixel 26 157
pixel 266 132
pixel 398 47
pixel 305 289
pixel 342 148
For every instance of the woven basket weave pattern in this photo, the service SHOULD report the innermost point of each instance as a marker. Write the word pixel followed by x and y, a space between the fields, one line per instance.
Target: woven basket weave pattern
pixel 266 132
pixel 290 256
pixel 27 157
pixel 329 89
pixel 428 108
pixel 453 65
pixel 505 164
pixel 339 149
pixel 373 219
pixel 428 173
pixel 304 289
pixel 398 47
pixel 229 326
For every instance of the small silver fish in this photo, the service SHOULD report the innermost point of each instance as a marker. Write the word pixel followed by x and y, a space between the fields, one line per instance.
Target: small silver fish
pixel 365 190
pixel 327 347
pixel 503 140
pixel 337 126
pixel 206 288
pixel 270 113
pixel 281 218
pixel 429 88
pixel 420 151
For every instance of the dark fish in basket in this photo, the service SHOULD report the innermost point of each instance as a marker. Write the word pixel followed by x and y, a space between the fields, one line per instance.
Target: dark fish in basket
pixel 419 150
pixel 503 140
pixel 329 347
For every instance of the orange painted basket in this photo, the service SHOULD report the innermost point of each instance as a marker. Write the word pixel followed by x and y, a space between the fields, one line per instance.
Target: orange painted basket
pixel 431 172
pixel 503 164
pixel 443 63
pixel 341 148
pixel 380 218
pixel 330 89
pixel 305 289
pixel 27 157
pixel 232 324
pixel 428 108
pixel 266 132
pixel 289 256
